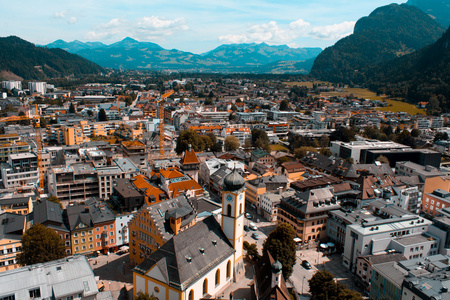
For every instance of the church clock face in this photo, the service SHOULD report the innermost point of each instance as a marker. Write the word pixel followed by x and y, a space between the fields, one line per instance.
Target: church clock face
pixel 229 198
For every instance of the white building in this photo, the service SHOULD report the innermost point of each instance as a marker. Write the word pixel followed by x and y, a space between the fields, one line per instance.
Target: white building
pixel 12 84
pixel 21 170
pixel 37 87
pixel 66 278
pixel 374 236
pixel 269 201
pixel 122 234
pixel 207 168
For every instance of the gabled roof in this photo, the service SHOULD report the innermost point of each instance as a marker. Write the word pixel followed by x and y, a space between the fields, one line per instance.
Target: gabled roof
pixel 181 263
pixel 189 158
pixel 143 184
pixel 48 211
pixel 170 174
pixel 258 153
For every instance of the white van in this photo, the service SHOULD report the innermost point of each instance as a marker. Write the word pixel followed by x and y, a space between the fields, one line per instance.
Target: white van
pixel 252 226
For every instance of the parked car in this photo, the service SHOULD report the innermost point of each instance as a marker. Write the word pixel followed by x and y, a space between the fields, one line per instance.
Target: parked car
pixel 306 265
pixel 255 236
pixel 248 216
pixel 252 226
pixel 246 228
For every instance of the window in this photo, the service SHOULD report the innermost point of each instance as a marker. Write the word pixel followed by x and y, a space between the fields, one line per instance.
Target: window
pixel 98 229
pixel 229 210
pixel 83 233
pixel 90 231
pixel 104 227
pixel 217 277
pixel 229 269
pixel 111 241
pixel 205 286
pixel 76 249
pixel 111 233
pixel 75 242
pixel 191 295
pixel 83 240
pixel 97 236
pixel 240 208
pixel 98 244
pixel 90 239
pixel 8 297
pixel 84 247
pixel 75 234
pixel 111 226
pixel 35 293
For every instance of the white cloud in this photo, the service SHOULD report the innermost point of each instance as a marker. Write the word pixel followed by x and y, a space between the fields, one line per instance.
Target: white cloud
pixel 64 15
pixel 274 33
pixel 152 27
pixel 333 32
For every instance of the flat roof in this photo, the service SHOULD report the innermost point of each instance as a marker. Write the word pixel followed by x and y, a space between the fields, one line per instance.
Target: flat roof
pixel 22 155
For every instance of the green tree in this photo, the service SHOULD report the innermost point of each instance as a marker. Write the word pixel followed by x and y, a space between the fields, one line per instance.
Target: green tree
pixel 145 296
pixel 284 105
pixel 102 115
pixel 231 143
pixel 383 159
pixel 280 243
pixel 415 132
pixel 72 108
pixel 322 286
pixel 24 122
pixel 302 151
pixel 40 244
pixel 189 137
pixel 42 122
pixel 440 136
pixel 260 139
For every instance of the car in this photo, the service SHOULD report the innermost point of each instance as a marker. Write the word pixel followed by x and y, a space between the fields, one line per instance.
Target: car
pixel 248 216
pixel 255 236
pixel 306 265
pixel 246 228
pixel 252 226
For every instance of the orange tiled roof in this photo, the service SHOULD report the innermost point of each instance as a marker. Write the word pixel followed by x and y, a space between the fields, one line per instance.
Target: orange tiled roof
pixel 141 183
pixel 169 174
pixel 189 157
pixel 177 188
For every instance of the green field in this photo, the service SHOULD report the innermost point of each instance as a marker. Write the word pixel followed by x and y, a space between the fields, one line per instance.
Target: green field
pixel 393 105
pixel 277 148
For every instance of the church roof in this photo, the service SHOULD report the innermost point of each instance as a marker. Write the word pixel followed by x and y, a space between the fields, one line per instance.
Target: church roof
pixel 262 285
pixel 188 256
pixel 233 181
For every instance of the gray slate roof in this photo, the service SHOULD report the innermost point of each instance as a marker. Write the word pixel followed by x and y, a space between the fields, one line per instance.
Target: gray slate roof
pixel 172 258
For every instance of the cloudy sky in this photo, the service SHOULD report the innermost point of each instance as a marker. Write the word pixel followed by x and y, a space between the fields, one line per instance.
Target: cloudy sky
pixel 190 25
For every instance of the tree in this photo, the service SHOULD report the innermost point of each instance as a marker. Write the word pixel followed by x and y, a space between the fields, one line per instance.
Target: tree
pixel 343 134
pixel 231 143
pixel 302 151
pixel 260 139
pixel 440 136
pixel 383 159
pixel 415 132
pixel 280 243
pixel 55 199
pixel 40 244
pixel 102 115
pixel 145 296
pixel 190 137
pixel 24 122
pixel 42 122
pixel 72 108
pixel 284 105
pixel 323 287
pixel 252 251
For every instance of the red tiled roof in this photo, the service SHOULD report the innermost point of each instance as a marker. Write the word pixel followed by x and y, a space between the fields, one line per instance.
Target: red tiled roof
pixel 189 157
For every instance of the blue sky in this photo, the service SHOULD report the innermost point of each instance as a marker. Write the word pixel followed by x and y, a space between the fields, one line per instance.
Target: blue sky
pixel 191 25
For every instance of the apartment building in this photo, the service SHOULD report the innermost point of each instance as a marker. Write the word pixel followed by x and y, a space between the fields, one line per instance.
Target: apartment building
pixel 13 147
pixel 434 201
pixel 21 170
pixel 152 226
pixel 12 226
pixel 308 212
pixel 92 228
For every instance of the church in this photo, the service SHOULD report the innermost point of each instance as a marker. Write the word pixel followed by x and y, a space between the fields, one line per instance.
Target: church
pixel 203 260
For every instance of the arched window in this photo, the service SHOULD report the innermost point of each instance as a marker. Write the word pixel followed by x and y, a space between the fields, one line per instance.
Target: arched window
pixel 191 295
pixel 240 208
pixel 229 269
pixel 218 277
pixel 205 286
pixel 229 210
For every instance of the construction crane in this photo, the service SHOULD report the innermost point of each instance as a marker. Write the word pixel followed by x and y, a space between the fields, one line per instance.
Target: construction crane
pixel 161 121
pixel 36 120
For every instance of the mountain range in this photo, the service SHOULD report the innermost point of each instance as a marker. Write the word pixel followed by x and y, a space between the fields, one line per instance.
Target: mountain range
pixel 420 76
pixel 20 59
pixel 387 33
pixel 437 9
pixel 254 58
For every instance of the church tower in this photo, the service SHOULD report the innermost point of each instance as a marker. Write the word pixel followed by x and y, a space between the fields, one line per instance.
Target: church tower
pixel 190 163
pixel 233 210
